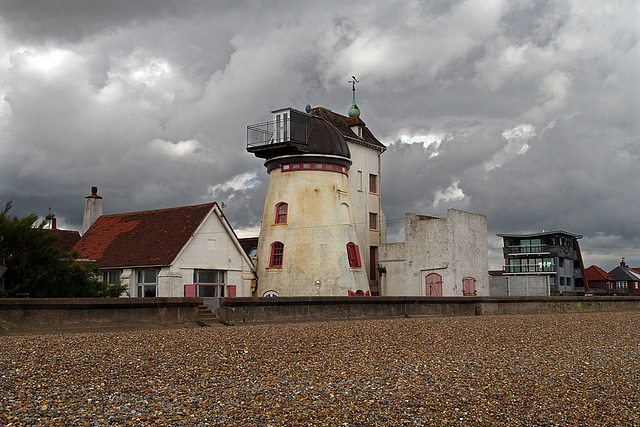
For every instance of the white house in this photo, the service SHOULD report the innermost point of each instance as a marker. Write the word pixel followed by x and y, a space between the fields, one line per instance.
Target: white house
pixel 174 252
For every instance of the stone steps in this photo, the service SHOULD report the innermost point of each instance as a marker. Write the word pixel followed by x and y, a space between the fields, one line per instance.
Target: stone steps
pixel 206 318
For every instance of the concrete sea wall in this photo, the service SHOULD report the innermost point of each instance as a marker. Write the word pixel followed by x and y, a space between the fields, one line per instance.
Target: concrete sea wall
pixel 85 314
pixel 238 310
pixel 26 315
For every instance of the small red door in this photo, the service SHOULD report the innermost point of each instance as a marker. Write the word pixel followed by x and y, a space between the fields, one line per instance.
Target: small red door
pixel 433 283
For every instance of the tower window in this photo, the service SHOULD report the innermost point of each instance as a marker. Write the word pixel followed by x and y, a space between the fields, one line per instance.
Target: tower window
pixel 277 252
pixel 373 221
pixel 354 255
pixel 281 213
pixel 373 183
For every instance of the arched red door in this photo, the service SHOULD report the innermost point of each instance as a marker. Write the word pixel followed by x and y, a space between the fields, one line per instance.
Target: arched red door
pixel 433 283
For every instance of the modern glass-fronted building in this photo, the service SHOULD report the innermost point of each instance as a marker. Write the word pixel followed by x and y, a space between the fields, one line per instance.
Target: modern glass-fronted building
pixel 553 258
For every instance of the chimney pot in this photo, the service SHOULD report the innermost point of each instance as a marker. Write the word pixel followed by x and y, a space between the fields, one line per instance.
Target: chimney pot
pixel 54 225
pixel 94 191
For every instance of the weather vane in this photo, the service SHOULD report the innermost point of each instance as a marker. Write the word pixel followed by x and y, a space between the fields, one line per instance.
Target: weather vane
pixel 353 82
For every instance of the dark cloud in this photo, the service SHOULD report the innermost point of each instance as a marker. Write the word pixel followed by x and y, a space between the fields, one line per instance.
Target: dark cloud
pixel 523 111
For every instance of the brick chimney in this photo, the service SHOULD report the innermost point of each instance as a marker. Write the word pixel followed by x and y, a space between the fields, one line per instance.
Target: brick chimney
pixel 92 209
pixel 622 264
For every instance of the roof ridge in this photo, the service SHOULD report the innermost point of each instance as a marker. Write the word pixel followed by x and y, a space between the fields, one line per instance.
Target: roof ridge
pixel 159 210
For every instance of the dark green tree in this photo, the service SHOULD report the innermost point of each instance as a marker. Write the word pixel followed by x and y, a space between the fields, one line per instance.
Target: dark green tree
pixel 37 269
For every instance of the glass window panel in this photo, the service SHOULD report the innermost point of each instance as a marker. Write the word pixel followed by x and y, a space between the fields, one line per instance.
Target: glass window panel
pixel 149 275
pixel 209 276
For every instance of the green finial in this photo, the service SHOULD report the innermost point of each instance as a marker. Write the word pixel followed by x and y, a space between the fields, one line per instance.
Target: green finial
pixel 354 111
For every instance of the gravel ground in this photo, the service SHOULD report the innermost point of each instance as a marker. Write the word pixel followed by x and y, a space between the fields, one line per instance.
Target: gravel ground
pixel 527 370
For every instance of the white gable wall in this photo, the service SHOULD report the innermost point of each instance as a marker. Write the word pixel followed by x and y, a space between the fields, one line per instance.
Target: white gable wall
pixel 211 248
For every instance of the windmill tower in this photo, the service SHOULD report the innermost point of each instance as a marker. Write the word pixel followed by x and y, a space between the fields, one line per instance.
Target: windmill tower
pixel 308 242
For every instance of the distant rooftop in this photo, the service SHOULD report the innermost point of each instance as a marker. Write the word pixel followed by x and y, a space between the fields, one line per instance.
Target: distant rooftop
pixel 544 233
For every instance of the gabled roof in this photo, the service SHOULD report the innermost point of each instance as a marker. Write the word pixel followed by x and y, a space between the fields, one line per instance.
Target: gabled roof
pixel 149 238
pixel 344 124
pixel 596 273
pixel 623 273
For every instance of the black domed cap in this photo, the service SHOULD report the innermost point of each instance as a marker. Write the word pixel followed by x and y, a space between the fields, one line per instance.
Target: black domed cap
pixel 324 138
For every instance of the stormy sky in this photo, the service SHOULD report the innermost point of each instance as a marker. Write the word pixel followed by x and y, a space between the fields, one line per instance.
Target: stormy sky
pixel 525 111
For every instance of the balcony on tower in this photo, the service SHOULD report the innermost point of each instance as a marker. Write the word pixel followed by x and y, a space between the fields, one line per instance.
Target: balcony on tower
pixel 292 132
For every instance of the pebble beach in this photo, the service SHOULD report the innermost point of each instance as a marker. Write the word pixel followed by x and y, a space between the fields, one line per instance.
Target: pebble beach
pixel 579 369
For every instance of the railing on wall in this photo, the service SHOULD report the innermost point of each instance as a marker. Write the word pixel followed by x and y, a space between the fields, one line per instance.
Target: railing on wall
pixel 530 268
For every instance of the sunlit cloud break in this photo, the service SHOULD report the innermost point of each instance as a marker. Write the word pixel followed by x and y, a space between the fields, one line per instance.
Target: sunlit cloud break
pixel 517 144
pixel 237 183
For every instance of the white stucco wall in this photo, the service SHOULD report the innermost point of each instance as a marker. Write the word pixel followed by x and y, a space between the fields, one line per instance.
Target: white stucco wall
pixel 319 226
pixel 366 161
pixel 211 248
pixel 454 247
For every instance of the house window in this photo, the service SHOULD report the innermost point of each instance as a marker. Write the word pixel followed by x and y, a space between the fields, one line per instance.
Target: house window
pixel 354 255
pixel 373 263
pixel 277 252
pixel 148 283
pixel 209 283
pixel 281 213
pixel 111 277
pixel 373 183
pixel 468 286
pixel 373 221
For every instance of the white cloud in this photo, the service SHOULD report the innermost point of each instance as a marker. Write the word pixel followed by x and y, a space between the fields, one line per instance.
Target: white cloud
pixel 237 183
pixel 177 149
pixel 517 140
pixel 552 97
pixel 450 194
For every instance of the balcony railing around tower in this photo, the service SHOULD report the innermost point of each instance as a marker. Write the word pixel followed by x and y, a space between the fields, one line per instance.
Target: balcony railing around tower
pixel 291 130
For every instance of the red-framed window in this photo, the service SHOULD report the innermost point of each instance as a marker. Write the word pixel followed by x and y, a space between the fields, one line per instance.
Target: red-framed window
pixel 373 221
pixel 277 252
pixel 329 167
pixel 373 263
pixel 354 255
pixel 373 183
pixel 281 213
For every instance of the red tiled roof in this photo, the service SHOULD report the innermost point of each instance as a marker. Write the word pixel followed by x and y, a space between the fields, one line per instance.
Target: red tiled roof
pixel 596 273
pixel 67 239
pixel 149 238
pixel 344 123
